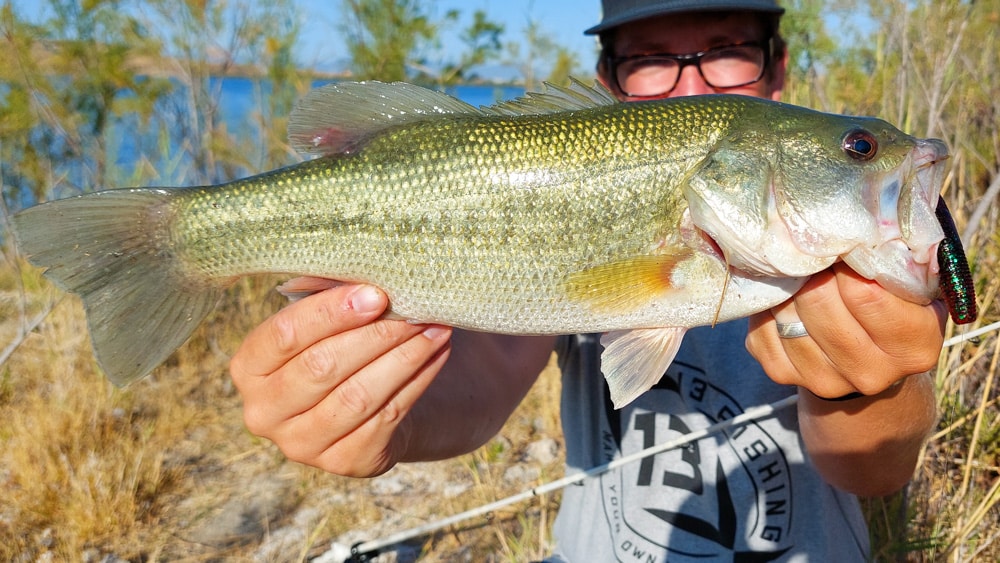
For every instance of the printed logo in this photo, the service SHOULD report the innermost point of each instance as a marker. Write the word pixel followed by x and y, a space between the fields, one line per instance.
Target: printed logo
pixel 727 496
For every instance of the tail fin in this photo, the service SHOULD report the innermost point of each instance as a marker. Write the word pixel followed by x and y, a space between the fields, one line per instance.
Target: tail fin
pixel 113 249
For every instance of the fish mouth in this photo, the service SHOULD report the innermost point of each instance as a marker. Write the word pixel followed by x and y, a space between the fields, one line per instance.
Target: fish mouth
pixel 880 221
pixel 903 258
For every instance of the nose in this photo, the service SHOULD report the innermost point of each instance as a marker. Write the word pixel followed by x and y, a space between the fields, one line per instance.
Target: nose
pixel 690 83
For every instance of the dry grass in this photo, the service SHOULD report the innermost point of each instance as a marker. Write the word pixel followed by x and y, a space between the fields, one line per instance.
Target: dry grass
pixel 87 465
pixel 950 511
pixel 144 473
pixel 87 469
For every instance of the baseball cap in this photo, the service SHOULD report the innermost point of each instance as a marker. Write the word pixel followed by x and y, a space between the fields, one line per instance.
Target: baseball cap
pixel 617 12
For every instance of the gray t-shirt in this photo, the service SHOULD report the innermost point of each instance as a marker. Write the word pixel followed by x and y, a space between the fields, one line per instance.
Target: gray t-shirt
pixel 749 494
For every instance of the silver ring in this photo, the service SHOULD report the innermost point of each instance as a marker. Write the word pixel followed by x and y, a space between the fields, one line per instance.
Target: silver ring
pixel 792 330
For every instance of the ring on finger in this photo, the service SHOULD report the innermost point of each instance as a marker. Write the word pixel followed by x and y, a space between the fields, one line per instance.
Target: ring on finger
pixel 792 330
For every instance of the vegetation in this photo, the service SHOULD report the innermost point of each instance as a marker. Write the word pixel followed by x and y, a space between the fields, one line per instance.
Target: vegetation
pixel 146 473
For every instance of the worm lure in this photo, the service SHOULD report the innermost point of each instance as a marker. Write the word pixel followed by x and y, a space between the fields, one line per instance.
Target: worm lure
pixel 955 279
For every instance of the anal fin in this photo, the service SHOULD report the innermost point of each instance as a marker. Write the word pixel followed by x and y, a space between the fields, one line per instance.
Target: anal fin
pixel 634 360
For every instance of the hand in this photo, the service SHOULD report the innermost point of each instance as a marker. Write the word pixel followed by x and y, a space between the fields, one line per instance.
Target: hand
pixel 331 383
pixel 861 337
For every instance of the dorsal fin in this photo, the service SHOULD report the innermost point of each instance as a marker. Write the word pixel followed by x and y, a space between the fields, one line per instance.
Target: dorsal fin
pixel 341 117
pixel 555 99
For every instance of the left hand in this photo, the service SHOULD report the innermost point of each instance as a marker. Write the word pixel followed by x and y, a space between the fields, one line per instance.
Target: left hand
pixel 861 337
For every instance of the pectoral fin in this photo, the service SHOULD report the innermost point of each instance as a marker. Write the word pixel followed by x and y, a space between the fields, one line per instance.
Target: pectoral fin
pixel 625 285
pixel 634 360
pixel 304 286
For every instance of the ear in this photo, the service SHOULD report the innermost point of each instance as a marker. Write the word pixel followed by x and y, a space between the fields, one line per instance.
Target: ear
pixel 602 71
pixel 604 77
pixel 779 67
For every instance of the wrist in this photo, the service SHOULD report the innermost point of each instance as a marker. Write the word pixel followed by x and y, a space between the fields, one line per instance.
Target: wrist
pixel 888 391
pixel 842 398
pixel 857 399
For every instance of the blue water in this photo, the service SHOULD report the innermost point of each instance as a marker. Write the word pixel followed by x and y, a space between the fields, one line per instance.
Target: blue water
pixel 134 148
pixel 165 152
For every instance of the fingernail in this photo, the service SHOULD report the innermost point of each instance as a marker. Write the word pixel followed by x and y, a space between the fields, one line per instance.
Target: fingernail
pixel 434 332
pixel 365 299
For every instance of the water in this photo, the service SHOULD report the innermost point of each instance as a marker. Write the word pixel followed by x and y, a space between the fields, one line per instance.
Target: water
pixel 165 151
pixel 485 95
pixel 132 146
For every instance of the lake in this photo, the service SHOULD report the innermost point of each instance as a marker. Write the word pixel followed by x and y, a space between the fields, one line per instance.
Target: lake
pixel 239 99
pixel 237 94
pixel 137 152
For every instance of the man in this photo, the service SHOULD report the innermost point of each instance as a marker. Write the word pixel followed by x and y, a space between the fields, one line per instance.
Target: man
pixel 336 387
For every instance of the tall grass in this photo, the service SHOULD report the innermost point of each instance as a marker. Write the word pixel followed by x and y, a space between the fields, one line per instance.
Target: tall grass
pixel 931 67
pixel 87 465
pixel 87 469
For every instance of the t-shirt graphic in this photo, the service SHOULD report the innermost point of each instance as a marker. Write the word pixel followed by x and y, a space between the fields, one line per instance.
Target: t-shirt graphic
pixel 747 493
pixel 681 502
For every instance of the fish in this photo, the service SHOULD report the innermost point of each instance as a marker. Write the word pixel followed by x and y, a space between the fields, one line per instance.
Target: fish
pixel 560 212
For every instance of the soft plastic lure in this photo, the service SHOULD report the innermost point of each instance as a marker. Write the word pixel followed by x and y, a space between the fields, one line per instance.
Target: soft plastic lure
pixel 955 278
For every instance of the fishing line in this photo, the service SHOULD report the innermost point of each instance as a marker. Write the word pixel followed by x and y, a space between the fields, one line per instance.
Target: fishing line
pixel 971 334
pixel 366 551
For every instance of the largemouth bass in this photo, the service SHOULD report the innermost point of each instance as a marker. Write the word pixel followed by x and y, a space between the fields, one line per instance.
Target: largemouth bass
pixel 561 212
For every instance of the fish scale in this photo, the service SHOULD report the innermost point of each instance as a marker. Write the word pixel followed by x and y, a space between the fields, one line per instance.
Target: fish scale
pixel 449 221
pixel 558 213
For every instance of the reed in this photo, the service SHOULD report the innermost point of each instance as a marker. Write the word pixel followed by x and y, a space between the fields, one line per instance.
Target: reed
pixel 89 470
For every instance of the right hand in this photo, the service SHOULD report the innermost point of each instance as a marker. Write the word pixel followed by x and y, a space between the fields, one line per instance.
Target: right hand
pixel 331 383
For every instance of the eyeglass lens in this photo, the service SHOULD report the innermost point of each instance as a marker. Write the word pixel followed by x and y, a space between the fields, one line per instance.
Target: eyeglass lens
pixel 722 67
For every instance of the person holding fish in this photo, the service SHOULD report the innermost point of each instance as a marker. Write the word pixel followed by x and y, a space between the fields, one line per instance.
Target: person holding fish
pixel 701 254
pixel 337 386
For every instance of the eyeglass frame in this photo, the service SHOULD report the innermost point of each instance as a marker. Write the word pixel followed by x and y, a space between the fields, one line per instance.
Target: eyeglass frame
pixel 686 59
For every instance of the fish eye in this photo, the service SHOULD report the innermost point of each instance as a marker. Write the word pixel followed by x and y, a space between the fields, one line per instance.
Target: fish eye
pixel 860 145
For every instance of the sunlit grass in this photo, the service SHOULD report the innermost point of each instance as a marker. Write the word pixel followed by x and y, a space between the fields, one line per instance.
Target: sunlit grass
pixel 950 510
pixel 89 468
pixel 131 472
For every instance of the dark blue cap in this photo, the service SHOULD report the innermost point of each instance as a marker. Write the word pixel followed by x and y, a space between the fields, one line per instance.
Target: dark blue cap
pixel 617 12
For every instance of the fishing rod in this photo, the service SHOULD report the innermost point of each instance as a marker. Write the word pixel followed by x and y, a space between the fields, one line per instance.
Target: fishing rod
pixel 363 552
